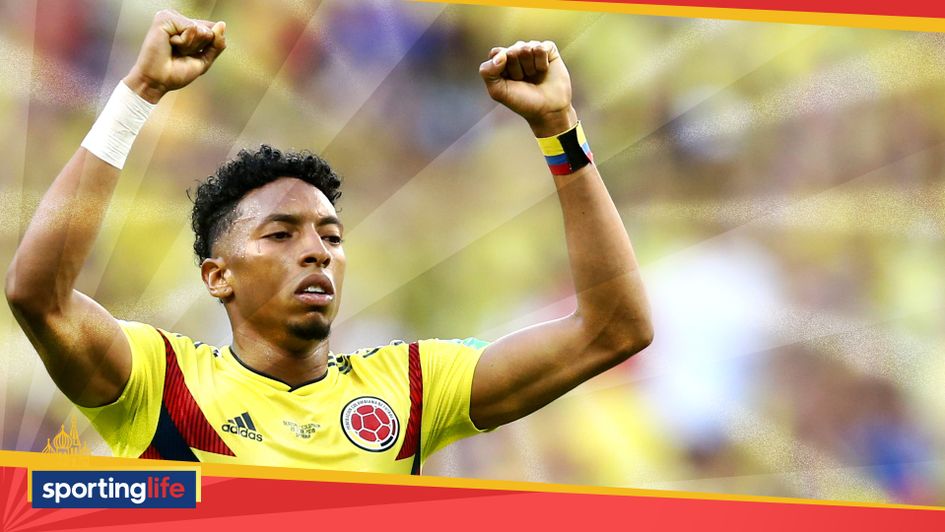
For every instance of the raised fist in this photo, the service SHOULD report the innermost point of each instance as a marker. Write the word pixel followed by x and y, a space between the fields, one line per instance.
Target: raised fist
pixel 530 79
pixel 176 51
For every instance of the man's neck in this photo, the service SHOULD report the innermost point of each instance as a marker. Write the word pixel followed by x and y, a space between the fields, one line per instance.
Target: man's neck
pixel 293 362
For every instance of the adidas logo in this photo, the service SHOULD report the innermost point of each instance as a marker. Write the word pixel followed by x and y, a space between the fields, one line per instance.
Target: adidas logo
pixel 242 425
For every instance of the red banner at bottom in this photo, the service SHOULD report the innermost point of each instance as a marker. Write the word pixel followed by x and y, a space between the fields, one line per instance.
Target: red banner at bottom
pixel 254 504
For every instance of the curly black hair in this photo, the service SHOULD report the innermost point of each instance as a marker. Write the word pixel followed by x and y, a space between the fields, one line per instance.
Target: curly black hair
pixel 216 198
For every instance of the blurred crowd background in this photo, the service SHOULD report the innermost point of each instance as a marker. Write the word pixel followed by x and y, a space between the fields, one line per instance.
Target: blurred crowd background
pixel 782 185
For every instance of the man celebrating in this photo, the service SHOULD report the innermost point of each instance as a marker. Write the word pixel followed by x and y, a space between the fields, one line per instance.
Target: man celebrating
pixel 270 242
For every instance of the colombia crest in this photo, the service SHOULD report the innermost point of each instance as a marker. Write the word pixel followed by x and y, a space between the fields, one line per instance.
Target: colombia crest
pixel 370 423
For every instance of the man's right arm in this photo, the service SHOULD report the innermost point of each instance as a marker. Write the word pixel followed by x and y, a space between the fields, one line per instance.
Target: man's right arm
pixel 81 343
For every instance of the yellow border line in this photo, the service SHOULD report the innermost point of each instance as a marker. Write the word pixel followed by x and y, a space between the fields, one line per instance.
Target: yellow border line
pixel 44 461
pixel 758 15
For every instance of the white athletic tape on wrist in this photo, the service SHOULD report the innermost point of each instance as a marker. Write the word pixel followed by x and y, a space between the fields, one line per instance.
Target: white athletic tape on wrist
pixel 114 131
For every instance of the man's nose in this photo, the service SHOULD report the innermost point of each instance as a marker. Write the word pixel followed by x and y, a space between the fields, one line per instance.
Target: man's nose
pixel 315 251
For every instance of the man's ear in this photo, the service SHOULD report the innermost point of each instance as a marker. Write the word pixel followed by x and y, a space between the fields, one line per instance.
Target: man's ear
pixel 216 277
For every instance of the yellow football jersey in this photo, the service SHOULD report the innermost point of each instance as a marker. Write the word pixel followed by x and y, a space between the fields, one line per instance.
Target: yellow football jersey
pixel 371 411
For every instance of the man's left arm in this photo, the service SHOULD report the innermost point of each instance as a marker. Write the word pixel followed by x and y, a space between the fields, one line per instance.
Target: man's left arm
pixel 528 369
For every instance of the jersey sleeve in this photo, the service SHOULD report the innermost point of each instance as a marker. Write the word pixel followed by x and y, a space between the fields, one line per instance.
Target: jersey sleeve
pixel 128 423
pixel 448 367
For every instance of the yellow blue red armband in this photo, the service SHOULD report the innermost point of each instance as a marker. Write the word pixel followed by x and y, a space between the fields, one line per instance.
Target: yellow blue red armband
pixel 568 152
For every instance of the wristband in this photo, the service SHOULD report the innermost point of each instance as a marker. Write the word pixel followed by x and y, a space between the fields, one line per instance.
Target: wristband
pixel 568 152
pixel 114 131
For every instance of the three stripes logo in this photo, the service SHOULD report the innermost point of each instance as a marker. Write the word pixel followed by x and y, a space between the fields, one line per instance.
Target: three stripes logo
pixel 244 426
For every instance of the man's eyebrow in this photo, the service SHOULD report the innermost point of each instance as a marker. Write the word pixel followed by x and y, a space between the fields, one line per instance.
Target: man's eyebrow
pixel 296 219
pixel 281 217
pixel 331 220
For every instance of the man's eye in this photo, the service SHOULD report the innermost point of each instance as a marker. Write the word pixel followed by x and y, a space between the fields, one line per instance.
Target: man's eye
pixel 333 239
pixel 279 235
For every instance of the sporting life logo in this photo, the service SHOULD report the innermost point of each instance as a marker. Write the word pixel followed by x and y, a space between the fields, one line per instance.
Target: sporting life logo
pixel 242 425
pixel 114 489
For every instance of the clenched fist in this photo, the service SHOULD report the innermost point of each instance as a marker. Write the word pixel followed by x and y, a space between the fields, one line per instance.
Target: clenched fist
pixel 176 51
pixel 530 79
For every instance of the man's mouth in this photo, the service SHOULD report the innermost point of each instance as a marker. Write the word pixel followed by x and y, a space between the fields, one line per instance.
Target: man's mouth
pixel 316 290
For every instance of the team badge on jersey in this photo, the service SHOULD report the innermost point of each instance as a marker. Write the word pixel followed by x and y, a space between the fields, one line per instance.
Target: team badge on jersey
pixel 370 423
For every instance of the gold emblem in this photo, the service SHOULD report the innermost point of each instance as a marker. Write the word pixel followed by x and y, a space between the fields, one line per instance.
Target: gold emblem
pixel 66 442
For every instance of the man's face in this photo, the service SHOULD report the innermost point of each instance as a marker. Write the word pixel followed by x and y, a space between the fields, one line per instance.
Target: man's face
pixel 284 261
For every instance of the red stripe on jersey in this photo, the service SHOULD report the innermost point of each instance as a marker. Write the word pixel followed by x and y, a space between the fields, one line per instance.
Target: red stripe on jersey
pixel 411 445
pixel 151 453
pixel 183 409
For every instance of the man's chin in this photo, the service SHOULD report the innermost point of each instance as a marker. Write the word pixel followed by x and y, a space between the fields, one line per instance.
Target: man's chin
pixel 312 330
